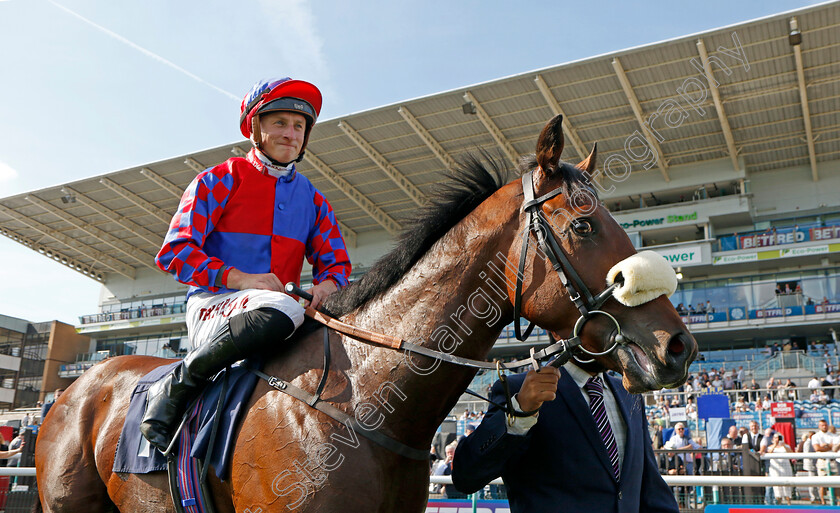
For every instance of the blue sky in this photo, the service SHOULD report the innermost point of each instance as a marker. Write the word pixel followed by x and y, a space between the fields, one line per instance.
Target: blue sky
pixel 94 86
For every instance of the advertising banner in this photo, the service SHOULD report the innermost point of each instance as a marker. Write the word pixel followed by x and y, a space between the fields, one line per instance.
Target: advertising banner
pixel 684 255
pixel 677 415
pixel 776 312
pixel 737 313
pixel 779 237
pixel 811 419
pixel 782 410
pixel 713 406
pixel 743 419
pixel 451 506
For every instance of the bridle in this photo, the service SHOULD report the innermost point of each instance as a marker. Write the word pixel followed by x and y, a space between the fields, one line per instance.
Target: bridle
pixel 559 351
pixel 587 303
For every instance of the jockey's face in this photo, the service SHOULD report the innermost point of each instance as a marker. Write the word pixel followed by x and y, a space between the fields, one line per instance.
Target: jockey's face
pixel 282 135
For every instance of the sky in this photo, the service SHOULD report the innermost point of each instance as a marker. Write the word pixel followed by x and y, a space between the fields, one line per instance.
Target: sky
pixel 94 86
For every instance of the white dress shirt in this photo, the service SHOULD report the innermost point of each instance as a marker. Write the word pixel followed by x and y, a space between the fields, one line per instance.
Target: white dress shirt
pixel 521 425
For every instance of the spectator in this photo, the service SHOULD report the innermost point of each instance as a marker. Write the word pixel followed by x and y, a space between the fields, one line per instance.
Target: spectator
pixel 814 383
pixel 765 404
pixel 46 408
pixel 780 467
pixel 791 389
pixel 680 441
pixel 806 447
pixel 709 308
pixel 449 491
pixel 740 405
pixel 815 396
pixel 691 310
pixel 829 368
pixel 729 381
pixel 26 420
pixel 433 459
pixel 752 439
pixel 674 465
pixel 823 398
pixel 733 437
pixel 656 440
pixel 691 409
pixel 771 384
pixel 16 445
pixel 739 377
pixel 767 439
pixel 681 309
pixel 727 464
pixel 829 381
pixel 823 441
pixel 813 347
pixel 754 395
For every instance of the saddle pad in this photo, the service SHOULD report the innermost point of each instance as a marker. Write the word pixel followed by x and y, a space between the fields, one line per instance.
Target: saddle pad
pixel 136 456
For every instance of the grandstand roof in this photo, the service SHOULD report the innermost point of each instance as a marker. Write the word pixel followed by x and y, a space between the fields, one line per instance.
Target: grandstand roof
pixel 376 166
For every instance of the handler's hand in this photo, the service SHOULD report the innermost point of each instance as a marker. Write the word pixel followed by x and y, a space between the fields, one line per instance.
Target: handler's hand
pixel 239 280
pixel 320 292
pixel 539 387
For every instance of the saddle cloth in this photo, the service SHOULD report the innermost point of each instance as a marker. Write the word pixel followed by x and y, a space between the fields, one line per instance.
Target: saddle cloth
pixel 135 455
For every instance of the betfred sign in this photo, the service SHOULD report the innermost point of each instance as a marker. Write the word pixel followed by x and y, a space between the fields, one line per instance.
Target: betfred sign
pixel 782 410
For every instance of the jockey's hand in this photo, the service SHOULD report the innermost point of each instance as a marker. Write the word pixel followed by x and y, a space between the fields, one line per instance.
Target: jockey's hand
pixel 538 387
pixel 239 280
pixel 320 292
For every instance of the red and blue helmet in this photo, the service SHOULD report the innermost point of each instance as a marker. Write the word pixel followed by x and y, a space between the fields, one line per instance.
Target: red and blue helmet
pixel 284 94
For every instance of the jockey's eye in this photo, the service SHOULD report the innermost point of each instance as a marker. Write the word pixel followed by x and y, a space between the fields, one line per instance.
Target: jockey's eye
pixel 583 227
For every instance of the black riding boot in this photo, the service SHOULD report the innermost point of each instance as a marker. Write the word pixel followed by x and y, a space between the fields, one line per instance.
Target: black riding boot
pixel 169 397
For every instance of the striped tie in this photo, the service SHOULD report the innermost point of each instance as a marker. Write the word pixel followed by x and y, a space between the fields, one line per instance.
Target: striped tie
pixel 599 413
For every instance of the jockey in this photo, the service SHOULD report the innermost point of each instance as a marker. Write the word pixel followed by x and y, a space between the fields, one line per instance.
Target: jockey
pixel 241 231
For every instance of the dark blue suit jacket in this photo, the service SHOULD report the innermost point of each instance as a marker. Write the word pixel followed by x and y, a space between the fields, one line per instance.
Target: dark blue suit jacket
pixel 561 464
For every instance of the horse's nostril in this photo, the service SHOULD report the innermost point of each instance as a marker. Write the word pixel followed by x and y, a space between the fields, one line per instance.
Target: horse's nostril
pixel 676 346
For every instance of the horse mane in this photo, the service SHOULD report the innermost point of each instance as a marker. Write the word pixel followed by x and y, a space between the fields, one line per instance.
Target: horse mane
pixel 477 178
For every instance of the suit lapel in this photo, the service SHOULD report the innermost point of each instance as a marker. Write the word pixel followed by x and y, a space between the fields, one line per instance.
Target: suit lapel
pixel 570 394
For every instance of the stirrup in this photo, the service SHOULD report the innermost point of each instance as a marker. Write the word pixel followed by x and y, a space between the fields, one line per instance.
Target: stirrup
pixel 177 432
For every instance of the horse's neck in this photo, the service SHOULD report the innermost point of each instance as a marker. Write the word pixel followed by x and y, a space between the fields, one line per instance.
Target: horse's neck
pixel 453 300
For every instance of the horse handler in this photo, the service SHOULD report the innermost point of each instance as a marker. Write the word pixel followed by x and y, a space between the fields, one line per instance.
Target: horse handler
pixel 241 231
pixel 586 450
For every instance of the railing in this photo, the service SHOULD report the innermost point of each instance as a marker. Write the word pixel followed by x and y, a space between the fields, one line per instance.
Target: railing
pixel 785 360
pixel 134 313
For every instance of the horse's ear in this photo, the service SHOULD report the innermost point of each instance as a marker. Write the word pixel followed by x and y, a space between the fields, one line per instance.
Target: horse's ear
pixel 588 164
pixel 550 145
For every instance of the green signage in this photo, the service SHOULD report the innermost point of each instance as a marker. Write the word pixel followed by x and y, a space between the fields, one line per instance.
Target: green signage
pixel 655 221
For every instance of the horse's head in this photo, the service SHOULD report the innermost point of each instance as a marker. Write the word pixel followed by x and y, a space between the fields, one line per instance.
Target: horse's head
pixel 599 270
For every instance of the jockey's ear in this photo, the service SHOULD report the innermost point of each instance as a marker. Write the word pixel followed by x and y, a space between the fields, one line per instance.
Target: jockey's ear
pixel 550 145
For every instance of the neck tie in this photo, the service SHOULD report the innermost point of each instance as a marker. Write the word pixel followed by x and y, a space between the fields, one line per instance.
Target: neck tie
pixel 599 413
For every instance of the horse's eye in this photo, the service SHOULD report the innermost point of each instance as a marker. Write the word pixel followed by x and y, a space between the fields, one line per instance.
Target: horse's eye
pixel 583 227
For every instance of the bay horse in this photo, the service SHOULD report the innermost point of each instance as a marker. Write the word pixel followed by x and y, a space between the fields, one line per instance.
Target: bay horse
pixel 435 289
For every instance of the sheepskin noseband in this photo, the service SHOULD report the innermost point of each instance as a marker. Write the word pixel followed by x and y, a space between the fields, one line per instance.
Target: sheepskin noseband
pixel 645 276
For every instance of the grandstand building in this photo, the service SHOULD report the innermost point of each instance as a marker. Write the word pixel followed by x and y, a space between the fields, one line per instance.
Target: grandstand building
pixel 718 150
